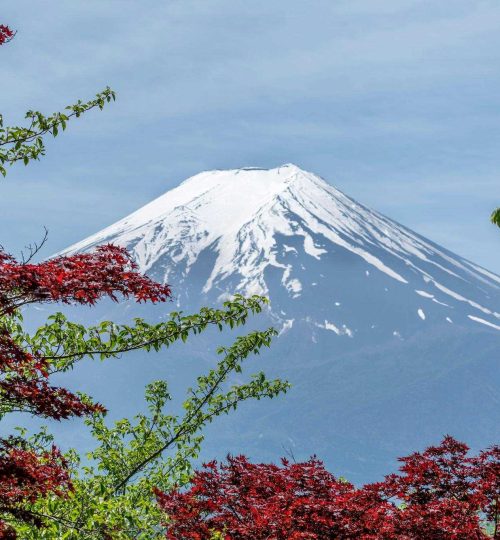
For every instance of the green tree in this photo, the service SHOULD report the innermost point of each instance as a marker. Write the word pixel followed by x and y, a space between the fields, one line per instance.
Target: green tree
pixel 113 490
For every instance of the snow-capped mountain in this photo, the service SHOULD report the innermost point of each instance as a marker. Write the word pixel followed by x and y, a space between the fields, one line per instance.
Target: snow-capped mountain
pixel 389 340
pixel 288 221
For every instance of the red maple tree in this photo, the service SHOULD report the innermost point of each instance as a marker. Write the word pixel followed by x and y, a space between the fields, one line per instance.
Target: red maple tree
pixel 24 376
pixel 77 279
pixel 439 494
pixel 27 473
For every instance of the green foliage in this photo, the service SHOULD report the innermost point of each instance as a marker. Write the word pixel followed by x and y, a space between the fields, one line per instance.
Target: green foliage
pixel 21 143
pixel 64 343
pixel 113 490
pixel 495 217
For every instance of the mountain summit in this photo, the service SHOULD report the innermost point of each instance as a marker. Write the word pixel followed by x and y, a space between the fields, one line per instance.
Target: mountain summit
pixel 389 340
pixel 259 223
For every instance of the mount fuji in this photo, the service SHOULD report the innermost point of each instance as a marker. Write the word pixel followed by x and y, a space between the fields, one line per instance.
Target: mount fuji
pixel 389 340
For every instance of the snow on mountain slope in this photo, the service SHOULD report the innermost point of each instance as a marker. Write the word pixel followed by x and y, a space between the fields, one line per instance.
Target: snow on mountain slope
pixel 255 221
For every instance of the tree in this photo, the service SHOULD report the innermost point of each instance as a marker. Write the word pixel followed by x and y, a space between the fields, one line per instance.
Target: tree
pixel 79 279
pixel 113 497
pixel 115 494
pixel 439 494
pixel 44 494
pixel 26 473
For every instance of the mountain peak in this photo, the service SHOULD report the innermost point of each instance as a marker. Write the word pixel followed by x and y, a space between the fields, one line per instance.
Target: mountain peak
pixel 218 201
pixel 257 180
pixel 287 224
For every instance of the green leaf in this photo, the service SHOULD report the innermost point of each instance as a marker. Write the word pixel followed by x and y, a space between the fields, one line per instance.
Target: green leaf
pixel 495 217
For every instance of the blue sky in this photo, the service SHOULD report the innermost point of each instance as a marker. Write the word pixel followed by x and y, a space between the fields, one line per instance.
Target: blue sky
pixel 395 102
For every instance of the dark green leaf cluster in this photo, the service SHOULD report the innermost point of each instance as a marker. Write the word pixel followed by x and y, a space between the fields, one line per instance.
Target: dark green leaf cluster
pixel 495 217
pixel 26 143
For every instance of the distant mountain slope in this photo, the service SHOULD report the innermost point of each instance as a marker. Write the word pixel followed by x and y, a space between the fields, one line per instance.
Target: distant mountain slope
pixel 390 340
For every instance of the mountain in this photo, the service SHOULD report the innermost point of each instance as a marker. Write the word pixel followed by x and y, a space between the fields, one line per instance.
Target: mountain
pixel 390 341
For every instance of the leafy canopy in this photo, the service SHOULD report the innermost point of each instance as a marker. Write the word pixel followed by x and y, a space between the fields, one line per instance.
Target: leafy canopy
pixel 441 493
pixel 113 494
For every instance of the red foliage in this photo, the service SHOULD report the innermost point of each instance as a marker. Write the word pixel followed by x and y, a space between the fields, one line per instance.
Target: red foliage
pixel 80 279
pixel 444 490
pixel 438 495
pixel 24 376
pixel 257 501
pixel 6 34
pixel 25 386
pixel 25 476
